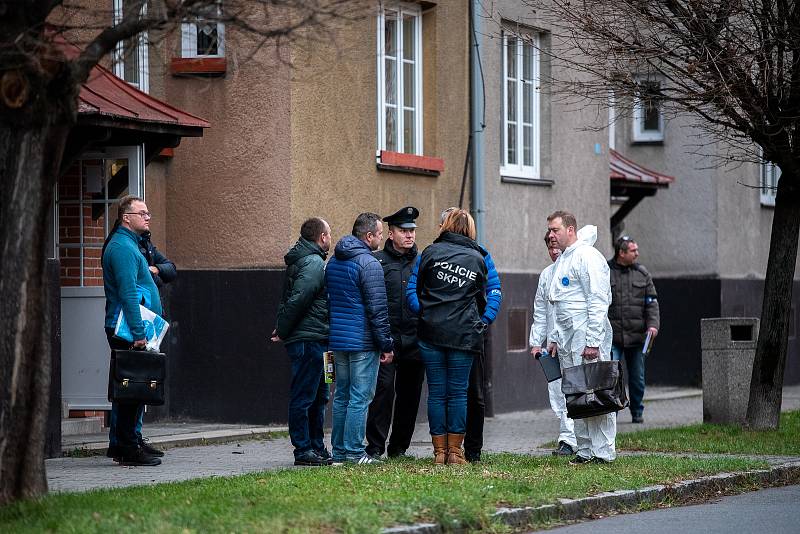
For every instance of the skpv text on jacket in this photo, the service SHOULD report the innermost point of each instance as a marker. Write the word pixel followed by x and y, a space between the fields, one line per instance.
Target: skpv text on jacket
pixel 450 293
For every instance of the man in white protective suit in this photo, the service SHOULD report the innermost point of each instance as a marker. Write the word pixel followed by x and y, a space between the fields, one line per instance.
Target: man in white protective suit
pixel 542 325
pixel 579 294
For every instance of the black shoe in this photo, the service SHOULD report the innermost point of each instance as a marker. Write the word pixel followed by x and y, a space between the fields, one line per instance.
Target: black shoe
pixel 114 452
pixel 139 457
pixel 394 453
pixel 637 419
pixel 564 449
pixel 149 449
pixel 309 458
pixel 473 457
pixel 580 460
pixel 325 455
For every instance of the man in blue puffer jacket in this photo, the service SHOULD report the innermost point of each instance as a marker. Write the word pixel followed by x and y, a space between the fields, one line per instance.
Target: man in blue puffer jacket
pixel 360 336
pixel 476 404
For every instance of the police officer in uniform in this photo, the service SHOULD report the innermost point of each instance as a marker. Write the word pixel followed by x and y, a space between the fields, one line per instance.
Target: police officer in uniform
pixel 399 384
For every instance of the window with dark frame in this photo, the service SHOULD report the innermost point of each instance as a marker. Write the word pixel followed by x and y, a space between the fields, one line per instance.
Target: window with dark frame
pixel 648 113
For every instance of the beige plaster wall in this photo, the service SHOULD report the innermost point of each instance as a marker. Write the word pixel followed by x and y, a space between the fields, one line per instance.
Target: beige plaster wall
pixel 516 213
pixel 334 128
pixel 228 193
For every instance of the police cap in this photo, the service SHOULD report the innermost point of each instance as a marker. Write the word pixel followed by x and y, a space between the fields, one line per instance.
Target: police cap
pixel 404 218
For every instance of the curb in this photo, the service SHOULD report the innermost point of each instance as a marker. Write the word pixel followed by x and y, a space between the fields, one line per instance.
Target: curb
pixel 192 439
pixel 574 509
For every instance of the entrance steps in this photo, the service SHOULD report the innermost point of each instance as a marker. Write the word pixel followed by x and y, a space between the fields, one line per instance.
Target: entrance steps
pixel 81 425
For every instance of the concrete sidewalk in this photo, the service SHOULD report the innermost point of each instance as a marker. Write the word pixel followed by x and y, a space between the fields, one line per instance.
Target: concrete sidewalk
pixel 519 432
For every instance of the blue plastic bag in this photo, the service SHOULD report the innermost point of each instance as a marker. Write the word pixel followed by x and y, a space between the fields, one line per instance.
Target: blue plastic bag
pixel 155 327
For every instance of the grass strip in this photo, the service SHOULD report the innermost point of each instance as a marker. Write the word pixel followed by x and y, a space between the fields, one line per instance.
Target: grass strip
pixel 349 498
pixel 719 439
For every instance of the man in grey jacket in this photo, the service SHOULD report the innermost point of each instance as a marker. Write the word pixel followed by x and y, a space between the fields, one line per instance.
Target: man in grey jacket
pixel 634 316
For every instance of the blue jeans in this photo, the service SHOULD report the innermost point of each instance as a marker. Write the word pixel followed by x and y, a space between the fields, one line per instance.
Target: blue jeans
pixel 447 371
pixel 634 362
pixel 112 424
pixel 308 396
pixel 356 377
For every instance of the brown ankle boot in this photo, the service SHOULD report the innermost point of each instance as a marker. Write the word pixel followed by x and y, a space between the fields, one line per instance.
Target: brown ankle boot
pixel 455 454
pixel 439 449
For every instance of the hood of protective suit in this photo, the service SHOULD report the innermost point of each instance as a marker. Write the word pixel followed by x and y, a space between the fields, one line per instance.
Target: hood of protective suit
pixel 587 235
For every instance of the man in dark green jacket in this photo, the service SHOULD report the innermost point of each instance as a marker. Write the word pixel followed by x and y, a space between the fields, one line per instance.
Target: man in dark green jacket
pixel 634 315
pixel 302 325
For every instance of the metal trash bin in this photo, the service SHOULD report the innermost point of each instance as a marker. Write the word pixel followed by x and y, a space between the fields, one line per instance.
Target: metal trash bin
pixel 729 347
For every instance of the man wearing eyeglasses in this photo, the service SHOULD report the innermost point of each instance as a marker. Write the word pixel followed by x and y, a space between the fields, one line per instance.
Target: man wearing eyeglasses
pixel 127 283
pixel 634 316
pixel 163 272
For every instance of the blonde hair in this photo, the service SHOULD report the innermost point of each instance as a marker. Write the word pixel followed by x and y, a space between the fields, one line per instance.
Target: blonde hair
pixel 461 222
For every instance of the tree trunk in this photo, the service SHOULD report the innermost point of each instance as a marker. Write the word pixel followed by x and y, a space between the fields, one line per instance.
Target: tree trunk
pixel 29 162
pixel 766 385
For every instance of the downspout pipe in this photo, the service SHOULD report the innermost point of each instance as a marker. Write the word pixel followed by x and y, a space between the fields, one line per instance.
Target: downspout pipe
pixel 476 119
pixel 476 125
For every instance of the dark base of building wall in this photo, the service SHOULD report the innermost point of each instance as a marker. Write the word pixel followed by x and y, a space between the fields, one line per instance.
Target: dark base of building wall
pixel 222 366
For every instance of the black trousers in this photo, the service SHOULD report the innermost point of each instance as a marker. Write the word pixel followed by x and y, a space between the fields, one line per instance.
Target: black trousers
pixel 127 414
pixel 476 410
pixel 395 404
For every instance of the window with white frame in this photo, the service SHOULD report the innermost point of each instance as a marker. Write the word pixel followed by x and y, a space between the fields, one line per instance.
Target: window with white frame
pixel 648 114
pixel 130 56
pixel 521 109
pixel 770 173
pixel 204 37
pixel 400 78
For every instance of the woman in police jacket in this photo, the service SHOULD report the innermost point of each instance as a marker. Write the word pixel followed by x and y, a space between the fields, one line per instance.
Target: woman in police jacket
pixel 449 298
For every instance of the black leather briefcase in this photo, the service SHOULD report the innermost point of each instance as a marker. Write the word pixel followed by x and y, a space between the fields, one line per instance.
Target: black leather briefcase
pixel 137 377
pixel 593 389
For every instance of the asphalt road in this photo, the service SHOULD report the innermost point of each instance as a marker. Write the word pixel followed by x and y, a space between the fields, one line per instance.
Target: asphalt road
pixel 773 511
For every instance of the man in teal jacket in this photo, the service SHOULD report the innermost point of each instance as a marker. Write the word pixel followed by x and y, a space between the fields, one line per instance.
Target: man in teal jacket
pixel 302 325
pixel 127 283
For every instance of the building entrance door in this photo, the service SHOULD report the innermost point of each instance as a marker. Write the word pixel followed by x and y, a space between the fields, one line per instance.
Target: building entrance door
pixel 85 211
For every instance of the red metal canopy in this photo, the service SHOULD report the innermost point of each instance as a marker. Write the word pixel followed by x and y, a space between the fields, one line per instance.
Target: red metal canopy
pixel 625 170
pixel 106 95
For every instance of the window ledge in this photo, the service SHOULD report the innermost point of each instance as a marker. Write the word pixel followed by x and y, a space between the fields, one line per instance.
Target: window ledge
pixel 648 141
pixel 541 182
pixel 208 66
pixel 410 163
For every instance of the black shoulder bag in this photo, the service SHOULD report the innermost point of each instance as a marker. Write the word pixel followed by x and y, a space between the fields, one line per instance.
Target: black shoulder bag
pixel 593 389
pixel 137 377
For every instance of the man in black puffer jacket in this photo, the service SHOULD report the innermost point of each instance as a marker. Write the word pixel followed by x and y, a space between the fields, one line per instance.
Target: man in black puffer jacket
pixel 302 325
pixel 404 376
pixel 162 269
